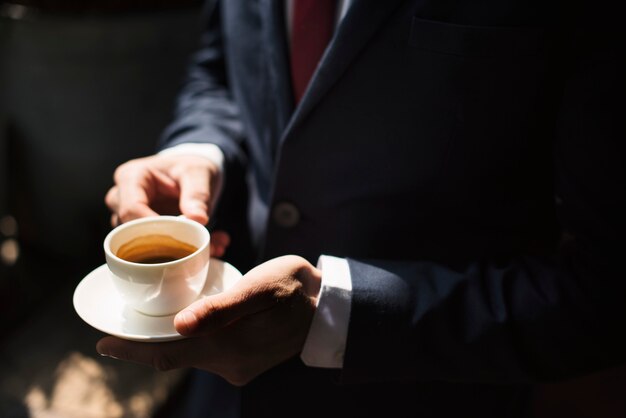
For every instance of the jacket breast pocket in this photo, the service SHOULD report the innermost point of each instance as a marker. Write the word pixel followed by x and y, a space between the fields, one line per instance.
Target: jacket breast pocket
pixel 478 41
pixel 486 90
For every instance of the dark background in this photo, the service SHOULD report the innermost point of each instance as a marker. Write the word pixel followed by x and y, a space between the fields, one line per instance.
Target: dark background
pixel 84 86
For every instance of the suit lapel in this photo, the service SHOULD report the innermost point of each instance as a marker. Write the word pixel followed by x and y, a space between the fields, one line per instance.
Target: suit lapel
pixel 361 22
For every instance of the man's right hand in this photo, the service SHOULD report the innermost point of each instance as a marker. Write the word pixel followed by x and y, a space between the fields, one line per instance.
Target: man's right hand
pixel 164 184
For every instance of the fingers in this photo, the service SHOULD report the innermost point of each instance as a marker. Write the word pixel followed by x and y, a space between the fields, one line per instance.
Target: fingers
pixel 214 312
pixel 134 186
pixel 138 184
pixel 195 194
pixel 161 356
pixel 133 200
pixel 220 240
pixel 127 205
pixel 142 185
pixel 209 314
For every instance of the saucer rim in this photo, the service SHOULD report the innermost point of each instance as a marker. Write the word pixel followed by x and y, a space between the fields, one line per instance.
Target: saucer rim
pixel 130 336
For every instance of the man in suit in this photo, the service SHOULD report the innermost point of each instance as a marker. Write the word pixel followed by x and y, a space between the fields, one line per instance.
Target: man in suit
pixel 449 180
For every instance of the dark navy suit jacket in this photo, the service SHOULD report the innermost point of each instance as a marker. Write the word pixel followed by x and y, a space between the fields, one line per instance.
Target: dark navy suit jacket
pixel 465 157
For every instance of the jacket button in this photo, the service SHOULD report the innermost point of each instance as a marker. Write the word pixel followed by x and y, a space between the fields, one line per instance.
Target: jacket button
pixel 285 214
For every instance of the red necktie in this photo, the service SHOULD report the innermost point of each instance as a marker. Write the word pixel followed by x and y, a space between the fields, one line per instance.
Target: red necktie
pixel 312 27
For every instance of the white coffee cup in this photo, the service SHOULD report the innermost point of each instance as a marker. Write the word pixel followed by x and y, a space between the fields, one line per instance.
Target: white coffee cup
pixel 174 279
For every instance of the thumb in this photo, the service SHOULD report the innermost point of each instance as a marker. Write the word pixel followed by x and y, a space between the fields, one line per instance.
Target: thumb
pixel 214 312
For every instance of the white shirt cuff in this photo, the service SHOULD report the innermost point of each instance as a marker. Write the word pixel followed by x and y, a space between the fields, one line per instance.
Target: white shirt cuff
pixel 210 151
pixel 325 344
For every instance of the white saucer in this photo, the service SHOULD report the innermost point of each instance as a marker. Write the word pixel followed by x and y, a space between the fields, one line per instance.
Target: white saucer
pixel 98 303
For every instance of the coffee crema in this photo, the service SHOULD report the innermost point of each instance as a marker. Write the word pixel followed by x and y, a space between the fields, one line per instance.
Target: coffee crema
pixel 154 249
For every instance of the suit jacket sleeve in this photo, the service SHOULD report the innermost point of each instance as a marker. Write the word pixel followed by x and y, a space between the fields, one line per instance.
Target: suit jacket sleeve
pixel 206 111
pixel 527 318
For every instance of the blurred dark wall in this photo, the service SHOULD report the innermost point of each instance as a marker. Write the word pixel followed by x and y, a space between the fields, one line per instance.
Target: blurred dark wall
pixel 83 87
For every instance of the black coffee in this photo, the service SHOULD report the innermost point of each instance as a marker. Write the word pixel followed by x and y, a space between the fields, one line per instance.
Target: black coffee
pixel 154 249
